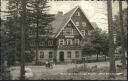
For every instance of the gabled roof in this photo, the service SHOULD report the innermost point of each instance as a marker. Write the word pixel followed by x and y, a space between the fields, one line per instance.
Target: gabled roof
pixel 61 21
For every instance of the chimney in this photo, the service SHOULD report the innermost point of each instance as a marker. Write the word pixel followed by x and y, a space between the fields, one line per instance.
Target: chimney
pixel 59 14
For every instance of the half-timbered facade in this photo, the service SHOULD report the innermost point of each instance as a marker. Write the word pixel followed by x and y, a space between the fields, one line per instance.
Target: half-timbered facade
pixel 67 38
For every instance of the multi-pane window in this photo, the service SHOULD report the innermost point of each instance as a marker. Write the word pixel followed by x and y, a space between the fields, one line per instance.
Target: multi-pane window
pixel 68 54
pixel 41 54
pixel 69 42
pixel 77 42
pixel 61 41
pixel 42 43
pixel 50 43
pixel 68 31
pixel 77 54
pixel 83 32
pixel 50 54
pixel 77 23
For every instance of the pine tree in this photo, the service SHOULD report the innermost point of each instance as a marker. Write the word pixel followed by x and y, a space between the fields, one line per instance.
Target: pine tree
pixel 38 20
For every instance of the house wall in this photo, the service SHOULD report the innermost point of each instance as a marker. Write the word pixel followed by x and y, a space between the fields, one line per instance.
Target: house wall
pixel 46 55
pixel 66 59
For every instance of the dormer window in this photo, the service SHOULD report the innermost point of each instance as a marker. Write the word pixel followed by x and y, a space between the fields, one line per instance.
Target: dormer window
pixel 84 24
pixel 77 23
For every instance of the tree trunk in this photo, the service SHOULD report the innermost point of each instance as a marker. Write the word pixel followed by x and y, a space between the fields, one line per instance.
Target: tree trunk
pixel 23 24
pixel 112 68
pixel 122 35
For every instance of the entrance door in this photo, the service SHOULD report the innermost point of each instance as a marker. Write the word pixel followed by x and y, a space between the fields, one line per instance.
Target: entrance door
pixel 61 56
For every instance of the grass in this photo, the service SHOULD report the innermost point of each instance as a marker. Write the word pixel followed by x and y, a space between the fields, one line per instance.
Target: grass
pixel 68 72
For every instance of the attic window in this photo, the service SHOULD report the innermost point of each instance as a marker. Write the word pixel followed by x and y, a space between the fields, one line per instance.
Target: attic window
pixel 77 23
pixel 78 13
pixel 83 24
pixel 83 32
pixel 69 24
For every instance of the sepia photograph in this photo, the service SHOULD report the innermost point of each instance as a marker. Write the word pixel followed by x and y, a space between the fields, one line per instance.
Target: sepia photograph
pixel 63 40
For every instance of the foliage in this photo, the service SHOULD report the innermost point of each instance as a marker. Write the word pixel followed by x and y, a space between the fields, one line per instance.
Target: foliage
pixel 37 18
pixel 117 29
pixel 96 43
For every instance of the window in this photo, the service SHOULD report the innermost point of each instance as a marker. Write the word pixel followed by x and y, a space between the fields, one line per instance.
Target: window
pixel 50 43
pixel 41 54
pixel 77 54
pixel 61 41
pixel 50 54
pixel 30 32
pixel 77 23
pixel 68 31
pixel 42 43
pixel 69 24
pixel 77 42
pixel 75 32
pixel 89 32
pixel 69 42
pixel 83 32
pixel 78 13
pixel 83 24
pixel 33 43
pixel 68 54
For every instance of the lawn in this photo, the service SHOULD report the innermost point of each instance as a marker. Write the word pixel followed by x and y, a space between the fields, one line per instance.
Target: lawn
pixel 61 72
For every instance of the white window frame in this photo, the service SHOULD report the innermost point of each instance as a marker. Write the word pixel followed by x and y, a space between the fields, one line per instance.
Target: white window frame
pixel 84 24
pixel 77 54
pixel 69 53
pixel 41 53
pixel 61 41
pixel 50 43
pixel 33 43
pixel 69 24
pixel 50 54
pixel 69 40
pixel 77 23
pixel 77 42
pixel 83 32
pixel 42 44
pixel 30 32
pixel 78 13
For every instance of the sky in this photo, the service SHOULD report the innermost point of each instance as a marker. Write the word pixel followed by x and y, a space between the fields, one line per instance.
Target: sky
pixel 96 11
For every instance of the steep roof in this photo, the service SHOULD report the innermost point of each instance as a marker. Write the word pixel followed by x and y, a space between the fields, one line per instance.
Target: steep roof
pixel 61 20
pixel 94 25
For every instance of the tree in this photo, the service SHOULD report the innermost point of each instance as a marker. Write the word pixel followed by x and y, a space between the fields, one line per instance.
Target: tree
pixel 39 18
pixel 96 43
pixel 36 19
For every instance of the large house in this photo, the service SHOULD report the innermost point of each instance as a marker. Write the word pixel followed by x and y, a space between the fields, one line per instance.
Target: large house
pixel 67 39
